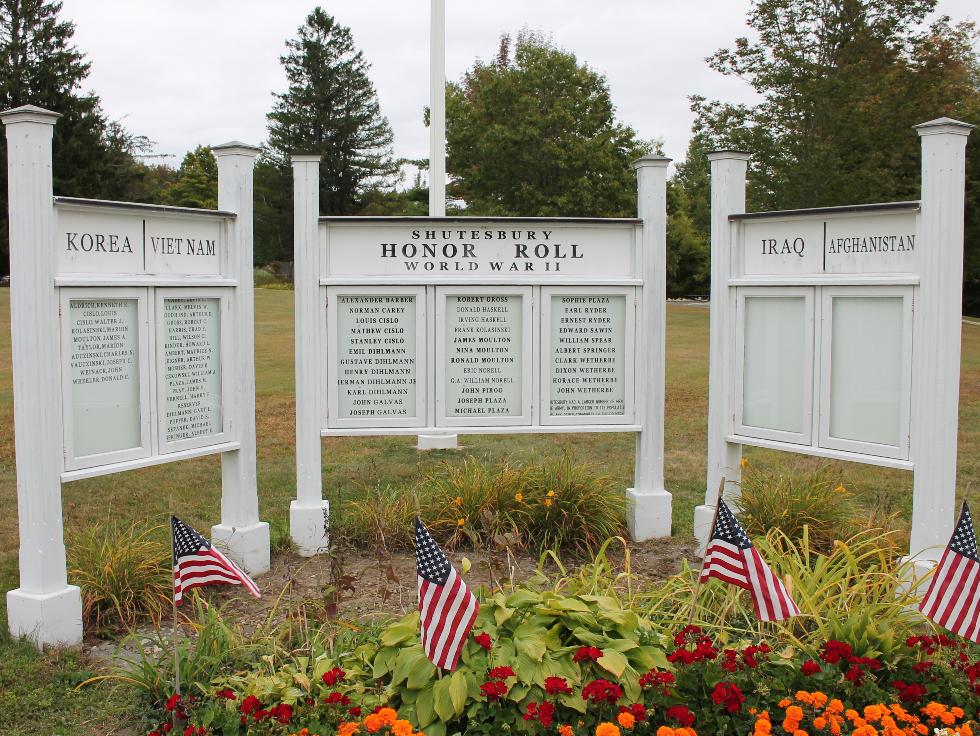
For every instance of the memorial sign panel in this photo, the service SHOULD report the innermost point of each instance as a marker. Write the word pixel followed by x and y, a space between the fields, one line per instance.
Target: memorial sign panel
pixel 190 348
pixel 103 335
pixel 484 362
pixel 588 348
pixel 376 351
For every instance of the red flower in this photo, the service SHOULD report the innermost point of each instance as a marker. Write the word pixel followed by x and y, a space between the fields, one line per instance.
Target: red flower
pixel 167 727
pixel 730 660
pixel 532 711
pixel 682 715
pixel 637 710
pixel 484 640
pixel 336 698
pixel 921 667
pixel 332 677
pixel 556 686
pixel 855 675
pixel 810 668
pixel 355 712
pixel 834 651
pixel 602 691
pixel 584 653
pixel 500 673
pixel 546 714
pixel 728 695
pixel 909 692
pixel 655 678
pixel 689 634
pixel 227 694
pixel 189 731
pixel 250 705
pixel 494 690
pixel 282 713
pixel 172 702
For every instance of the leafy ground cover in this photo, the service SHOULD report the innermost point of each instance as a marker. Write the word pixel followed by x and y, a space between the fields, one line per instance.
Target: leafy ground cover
pixel 36 691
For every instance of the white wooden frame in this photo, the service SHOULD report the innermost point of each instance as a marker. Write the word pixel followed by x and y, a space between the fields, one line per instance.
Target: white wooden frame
pixel 528 362
pixel 226 328
pixel 145 361
pixel 798 438
pixel 421 354
pixel 827 441
pixel 629 355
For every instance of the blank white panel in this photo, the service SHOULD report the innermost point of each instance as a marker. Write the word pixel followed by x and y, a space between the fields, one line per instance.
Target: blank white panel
pixel 866 374
pixel 774 376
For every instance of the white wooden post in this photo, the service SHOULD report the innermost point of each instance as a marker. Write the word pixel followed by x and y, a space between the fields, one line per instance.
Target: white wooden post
pixel 44 608
pixel 936 354
pixel 309 513
pixel 728 169
pixel 240 532
pixel 650 503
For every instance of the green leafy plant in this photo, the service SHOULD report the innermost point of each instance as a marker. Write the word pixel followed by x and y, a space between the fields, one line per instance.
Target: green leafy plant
pixel 124 573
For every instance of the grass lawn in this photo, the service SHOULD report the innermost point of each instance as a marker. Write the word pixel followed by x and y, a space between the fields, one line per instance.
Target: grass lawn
pixel 36 690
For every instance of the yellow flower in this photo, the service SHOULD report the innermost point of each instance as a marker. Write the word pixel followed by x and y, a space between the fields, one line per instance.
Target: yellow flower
pixel 551 494
pixel 461 522
pixel 458 501
pixel 744 462
pixel 548 502
pixel 840 488
pixel 519 497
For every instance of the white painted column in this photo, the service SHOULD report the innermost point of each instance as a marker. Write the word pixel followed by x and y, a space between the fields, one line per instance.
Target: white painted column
pixel 728 169
pixel 937 325
pixel 650 503
pixel 437 163
pixel 309 514
pixel 44 608
pixel 240 533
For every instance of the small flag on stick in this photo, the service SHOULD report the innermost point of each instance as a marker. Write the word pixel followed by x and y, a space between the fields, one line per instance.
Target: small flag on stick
pixel 731 557
pixel 953 597
pixel 197 563
pixel 447 608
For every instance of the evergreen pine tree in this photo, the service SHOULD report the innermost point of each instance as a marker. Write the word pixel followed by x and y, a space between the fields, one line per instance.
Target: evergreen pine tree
pixel 331 108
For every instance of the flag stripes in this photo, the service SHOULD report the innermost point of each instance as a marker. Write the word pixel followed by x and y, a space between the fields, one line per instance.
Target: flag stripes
pixel 196 563
pixel 953 599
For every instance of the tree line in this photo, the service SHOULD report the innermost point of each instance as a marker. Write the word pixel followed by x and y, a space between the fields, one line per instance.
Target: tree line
pixel 532 130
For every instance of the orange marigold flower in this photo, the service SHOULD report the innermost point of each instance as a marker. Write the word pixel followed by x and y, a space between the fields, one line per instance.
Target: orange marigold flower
pixel 800 732
pixel 790 726
pixel 686 731
pixel 795 713
pixel 348 729
pixel 388 716
pixel 820 722
pixel 851 713
pixel 626 719
pixel 607 729
pixel 804 697
pixel 819 699
pixel 934 710
pixel 948 718
pixel 763 726
pixel 565 731
pixel 965 730
pixel 873 712
pixel 401 728
pixel 835 706
pixel 956 711
pixel 784 702
pixel 665 731
pixel 372 723
pixel 835 728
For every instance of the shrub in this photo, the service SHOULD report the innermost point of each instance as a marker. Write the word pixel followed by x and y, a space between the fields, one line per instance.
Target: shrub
pixel 124 573
pixel 817 501
pixel 380 519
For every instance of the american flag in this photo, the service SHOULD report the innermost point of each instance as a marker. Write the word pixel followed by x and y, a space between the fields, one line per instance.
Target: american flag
pixel 447 608
pixel 953 598
pixel 197 563
pixel 731 557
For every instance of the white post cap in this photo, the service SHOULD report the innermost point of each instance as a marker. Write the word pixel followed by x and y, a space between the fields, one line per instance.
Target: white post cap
pixel 941 126
pixel 729 153
pixel 235 148
pixel 652 160
pixel 29 114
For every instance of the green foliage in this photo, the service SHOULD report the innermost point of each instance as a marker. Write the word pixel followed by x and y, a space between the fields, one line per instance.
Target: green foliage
pixel 535 633
pixel 124 573
pixel 535 134
pixel 197 181
pixel 815 503
pixel 550 504
pixel 330 108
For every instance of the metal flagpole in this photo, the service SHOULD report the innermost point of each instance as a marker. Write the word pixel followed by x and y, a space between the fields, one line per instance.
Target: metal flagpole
pixel 711 529
pixel 437 110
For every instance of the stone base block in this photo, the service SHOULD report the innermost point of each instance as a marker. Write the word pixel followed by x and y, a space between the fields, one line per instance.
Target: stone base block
pixel 703 517
pixel 248 546
pixel 916 569
pixel 309 527
pixel 439 441
pixel 649 514
pixel 53 619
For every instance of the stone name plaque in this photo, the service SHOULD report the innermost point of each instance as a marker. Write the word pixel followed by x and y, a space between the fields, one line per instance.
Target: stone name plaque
pixel 192 367
pixel 376 356
pixel 484 361
pixel 105 375
pixel 588 355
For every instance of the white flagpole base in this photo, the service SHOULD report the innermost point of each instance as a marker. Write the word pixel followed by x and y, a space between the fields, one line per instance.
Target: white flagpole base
pixel 247 546
pixel 649 514
pixel 438 442
pixel 309 527
pixel 703 517
pixel 46 618
pixel 915 571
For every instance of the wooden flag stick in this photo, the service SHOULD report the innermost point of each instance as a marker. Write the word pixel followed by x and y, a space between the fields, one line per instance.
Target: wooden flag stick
pixel 175 639
pixel 711 529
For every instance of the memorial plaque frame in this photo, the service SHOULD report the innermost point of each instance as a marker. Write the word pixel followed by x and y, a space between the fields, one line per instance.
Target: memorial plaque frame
pixel 145 448
pixel 741 428
pixel 421 352
pixel 225 337
pixel 529 356
pixel 629 355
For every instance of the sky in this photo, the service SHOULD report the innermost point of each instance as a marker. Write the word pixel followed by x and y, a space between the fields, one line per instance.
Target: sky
pixel 187 73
